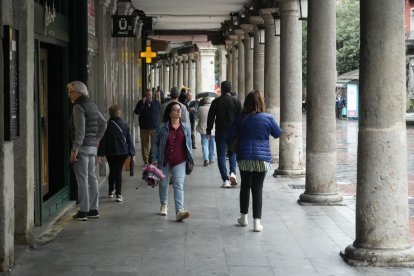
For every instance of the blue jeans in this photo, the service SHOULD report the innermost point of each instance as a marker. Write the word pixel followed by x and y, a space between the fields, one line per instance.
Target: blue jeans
pixel 221 143
pixel 178 177
pixel 85 177
pixel 208 146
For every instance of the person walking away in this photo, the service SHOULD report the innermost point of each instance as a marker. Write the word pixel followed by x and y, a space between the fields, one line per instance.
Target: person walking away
pixel 117 146
pixel 191 107
pixel 171 150
pixel 252 129
pixel 223 111
pixel 340 104
pixel 87 128
pixel 148 111
pixel 207 145
pixel 174 94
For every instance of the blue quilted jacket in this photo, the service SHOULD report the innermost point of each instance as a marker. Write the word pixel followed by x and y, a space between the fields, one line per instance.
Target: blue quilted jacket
pixel 253 131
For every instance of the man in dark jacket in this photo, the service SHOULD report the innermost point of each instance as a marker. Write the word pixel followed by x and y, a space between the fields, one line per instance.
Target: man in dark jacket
pixel 223 111
pixel 148 111
pixel 87 128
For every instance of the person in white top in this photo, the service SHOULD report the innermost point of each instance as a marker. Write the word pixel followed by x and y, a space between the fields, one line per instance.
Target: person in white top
pixel 207 145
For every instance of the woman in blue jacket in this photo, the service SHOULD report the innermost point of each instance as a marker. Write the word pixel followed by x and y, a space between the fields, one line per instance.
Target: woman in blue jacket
pixel 252 129
pixel 116 145
pixel 171 150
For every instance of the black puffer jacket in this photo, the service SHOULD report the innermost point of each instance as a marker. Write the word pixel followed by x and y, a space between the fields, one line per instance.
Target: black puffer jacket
pixel 114 142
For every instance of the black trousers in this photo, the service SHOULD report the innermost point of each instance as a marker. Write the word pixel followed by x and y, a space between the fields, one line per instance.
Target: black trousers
pixel 116 163
pixel 253 181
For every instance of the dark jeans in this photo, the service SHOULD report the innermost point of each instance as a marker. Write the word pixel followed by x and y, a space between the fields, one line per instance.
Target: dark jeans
pixel 221 145
pixel 116 163
pixel 253 181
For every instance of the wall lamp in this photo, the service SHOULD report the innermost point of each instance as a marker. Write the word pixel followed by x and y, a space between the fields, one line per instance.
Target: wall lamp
pixel 276 22
pixel 262 36
pixel 303 9
pixel 251 37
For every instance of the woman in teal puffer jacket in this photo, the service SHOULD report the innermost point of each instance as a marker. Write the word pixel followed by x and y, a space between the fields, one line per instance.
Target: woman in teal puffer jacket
pixel 252 129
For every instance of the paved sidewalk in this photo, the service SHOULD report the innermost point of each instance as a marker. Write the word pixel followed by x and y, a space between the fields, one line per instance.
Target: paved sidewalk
pixel 131 239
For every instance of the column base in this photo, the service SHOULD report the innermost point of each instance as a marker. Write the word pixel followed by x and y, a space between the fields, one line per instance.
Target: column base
pixel 289 172
pixel 378 257
pixel 320 199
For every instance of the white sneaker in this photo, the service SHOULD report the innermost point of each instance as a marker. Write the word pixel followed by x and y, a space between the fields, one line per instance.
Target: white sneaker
pixel 257 226
pixel 233 179
pixel 119 198
pixel 243 220
pixel 163 210
pixel 226 184
pixel 182 214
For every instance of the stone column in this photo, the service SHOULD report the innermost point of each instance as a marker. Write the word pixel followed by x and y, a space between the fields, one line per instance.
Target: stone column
pixel 180 79
pixel 223 63
pixel 235 63
pixel 176 71
pixel 229 47
pixel 185 70
pixel 321 127
pixel 172 84
pixel 156 74
pixel 166 74
pixel 248 59
pixel 272 74
pixel 291 149
pixel 382 225
pixel 23 146
pixel 258 55
pixel 198 71
pixel 207 55
pixel 191 73
pixel 240 70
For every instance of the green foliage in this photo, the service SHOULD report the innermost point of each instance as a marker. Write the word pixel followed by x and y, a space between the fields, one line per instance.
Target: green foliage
pixel 347 35
pixel 347 38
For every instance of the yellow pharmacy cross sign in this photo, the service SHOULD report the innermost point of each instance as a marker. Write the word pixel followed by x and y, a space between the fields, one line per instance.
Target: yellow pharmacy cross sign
pixel 148 54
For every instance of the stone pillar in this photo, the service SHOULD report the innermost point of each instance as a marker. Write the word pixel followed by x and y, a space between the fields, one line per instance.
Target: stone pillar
pixel 223 64
pixel 156 74
pixel 235 63
pixel 172 84
pixel 229 47
pixel 24 146
pixel 207 55
pixel 176 71
pixel 185 70
pixel 198 72
pixel 180 79
pixel 382 226
pixel 321 127
pixel 240 70
pixel 166 74
pixel 272 75
pixel 248 59
pixel 291 149
pixel 191 73
pixel 258 56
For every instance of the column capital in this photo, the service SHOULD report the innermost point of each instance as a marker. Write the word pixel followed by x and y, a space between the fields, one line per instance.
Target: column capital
pixel 287 7
pixel 247 28
pixel 180 58
pixel 185 58
pixel 266 14
pixel 239 33
pixel 256 20
pixel 191 56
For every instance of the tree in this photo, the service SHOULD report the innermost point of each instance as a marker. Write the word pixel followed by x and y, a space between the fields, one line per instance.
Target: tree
pixel 347 38
pixel 347 35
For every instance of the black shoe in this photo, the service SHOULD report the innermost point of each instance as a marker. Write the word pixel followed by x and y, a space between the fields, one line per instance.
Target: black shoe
pixel 205 163
pixel 194 147
pixel 81 216
pixel 93 213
